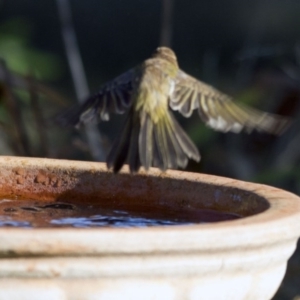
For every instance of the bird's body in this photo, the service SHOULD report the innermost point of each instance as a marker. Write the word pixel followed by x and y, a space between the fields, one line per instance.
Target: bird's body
pixel 151 135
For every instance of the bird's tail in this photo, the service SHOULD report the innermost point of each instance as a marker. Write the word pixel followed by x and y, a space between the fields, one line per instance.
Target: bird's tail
pixel 146 143
pixel 126 146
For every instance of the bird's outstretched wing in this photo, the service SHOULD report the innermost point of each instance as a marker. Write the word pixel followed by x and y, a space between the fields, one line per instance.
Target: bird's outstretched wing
pixel 218 111
pixel 113 97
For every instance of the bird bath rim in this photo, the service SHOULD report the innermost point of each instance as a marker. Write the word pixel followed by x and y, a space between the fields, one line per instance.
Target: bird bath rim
pixel 282 216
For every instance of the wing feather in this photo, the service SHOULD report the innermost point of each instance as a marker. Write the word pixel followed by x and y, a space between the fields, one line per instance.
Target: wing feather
pixel 218 111
pixel 113 97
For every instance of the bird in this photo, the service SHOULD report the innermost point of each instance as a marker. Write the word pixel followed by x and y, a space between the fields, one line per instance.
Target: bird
pixel 151 136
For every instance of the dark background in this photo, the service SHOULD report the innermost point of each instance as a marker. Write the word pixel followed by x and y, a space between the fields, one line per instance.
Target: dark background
pixel 248 49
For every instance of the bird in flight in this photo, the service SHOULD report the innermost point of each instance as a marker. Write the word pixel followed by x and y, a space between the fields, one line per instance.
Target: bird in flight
pixel 151 136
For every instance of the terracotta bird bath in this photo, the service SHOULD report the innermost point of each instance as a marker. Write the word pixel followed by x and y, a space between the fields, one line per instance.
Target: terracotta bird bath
pixel 168 236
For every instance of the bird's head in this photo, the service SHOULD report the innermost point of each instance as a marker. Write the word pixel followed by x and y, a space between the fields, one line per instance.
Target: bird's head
pixel 165 53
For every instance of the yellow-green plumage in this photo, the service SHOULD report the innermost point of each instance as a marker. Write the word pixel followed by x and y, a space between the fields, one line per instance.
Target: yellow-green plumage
pixel 151 136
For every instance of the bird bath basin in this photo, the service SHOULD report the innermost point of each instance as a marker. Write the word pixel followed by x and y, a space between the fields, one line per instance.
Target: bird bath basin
pixel 73 230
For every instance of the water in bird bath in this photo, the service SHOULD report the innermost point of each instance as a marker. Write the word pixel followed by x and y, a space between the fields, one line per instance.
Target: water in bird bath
pixel 34 214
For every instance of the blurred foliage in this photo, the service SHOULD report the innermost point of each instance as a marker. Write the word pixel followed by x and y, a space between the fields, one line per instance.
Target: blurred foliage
pixel 278 176
pixel 20 55
pixel 201 134
pixel 23 128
